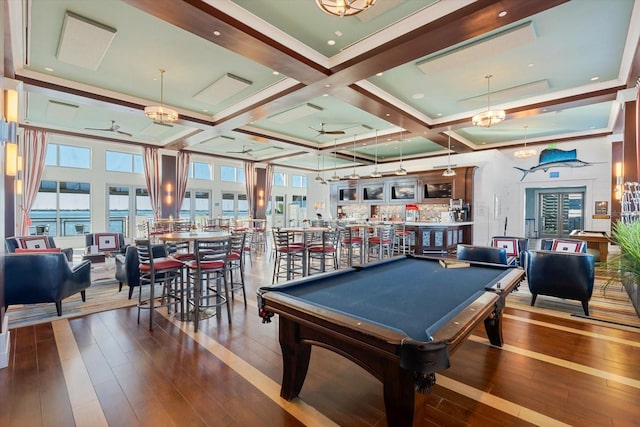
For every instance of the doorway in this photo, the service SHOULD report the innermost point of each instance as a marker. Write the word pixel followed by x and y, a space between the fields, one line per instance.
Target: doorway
pixel 559 212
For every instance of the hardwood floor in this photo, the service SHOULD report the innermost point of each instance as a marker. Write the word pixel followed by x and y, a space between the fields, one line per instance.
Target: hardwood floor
pixel 105 369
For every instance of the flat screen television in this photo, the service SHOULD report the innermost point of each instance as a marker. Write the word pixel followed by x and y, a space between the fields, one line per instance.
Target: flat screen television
pixel 403 192
pixel 437 191
pixel 373 193
pixel 347 194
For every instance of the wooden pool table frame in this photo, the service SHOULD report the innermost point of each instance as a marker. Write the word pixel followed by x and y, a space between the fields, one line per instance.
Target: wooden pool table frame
pixel 402 364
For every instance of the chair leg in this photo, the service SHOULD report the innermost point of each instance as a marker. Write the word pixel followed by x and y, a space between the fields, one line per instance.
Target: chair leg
pixel 59 307
pixel 533 299
pixel 83 295
pixel 585 307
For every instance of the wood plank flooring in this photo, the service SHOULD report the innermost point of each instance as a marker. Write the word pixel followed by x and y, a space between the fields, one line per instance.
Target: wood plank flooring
pixel 105 369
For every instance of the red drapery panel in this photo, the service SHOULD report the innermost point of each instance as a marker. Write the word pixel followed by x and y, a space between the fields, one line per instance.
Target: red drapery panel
pixel 34 150
pixel 182 176
pixel 152 177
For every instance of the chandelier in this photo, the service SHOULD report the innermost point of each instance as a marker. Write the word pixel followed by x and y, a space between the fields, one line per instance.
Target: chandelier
pixel 490 117
pixel 525 153
pixel 449 171
pixel 344 7
pixel 160 113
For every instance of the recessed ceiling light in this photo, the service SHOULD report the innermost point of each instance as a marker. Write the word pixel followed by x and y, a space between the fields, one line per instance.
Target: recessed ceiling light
pixel 48 69
pixel 502 14
pixel 338 33
pixel 216 33
pixel 275 73
pixel 439 114
pixel 593 79
pixel 325 94
pixel 205 111
pixel 327 85
pixel 379 74
pixel 530 65
pixel 387 114
pixel 331 42
pixel 417 96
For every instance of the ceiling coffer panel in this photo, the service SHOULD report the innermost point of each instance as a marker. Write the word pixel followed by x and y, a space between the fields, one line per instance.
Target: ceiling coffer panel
pixel 83 42
pixel 222 89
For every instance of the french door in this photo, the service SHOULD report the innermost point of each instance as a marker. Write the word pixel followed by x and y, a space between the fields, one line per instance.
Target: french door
pixel 559 213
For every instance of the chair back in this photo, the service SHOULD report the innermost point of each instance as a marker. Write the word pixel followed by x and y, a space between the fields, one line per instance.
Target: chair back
pixel 237 242
pixel 516 247
pixel 561 274
pixel 563 245
pixel 487 254
pixel 212 250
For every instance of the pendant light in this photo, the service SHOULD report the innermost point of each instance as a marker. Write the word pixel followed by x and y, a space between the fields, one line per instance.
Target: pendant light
pixel 400 171
pixel 335 177
pixel 490 117
pixel 449 171
pixel 525 153
pixel 318 177
pixel 354 175
pixel 376 173
pixel 161 113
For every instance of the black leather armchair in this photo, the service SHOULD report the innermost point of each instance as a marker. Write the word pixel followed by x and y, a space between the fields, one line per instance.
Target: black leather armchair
pixel 562 275
pixel 43 277
pixel 482 254
pixel 13 243
pixel 89 240
pixel 128 266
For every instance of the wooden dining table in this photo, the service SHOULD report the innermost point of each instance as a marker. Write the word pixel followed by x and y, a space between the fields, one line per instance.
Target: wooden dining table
pixel 191 237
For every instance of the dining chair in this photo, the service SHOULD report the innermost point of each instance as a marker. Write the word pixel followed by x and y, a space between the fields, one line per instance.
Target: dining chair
pixel 289 253
pixel 324 252
pixel 164 270
pixel 207 276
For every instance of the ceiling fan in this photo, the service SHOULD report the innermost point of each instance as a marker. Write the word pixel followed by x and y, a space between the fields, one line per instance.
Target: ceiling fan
pixel 243 151
pixel 321 131
pixel 113 128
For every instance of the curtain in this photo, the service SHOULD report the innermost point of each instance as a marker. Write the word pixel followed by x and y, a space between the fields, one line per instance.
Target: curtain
pixel 34 150
pixel 268 183
pixel 152 177
pixel 182 176
pixel 250 185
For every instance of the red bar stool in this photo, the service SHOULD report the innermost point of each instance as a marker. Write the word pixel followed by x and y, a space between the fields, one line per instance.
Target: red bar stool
pixel 350 243
pixel 289 253
pixel 325 251
pixel 236 264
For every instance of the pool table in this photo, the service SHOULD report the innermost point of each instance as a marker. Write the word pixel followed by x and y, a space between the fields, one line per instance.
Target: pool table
pixel 399 319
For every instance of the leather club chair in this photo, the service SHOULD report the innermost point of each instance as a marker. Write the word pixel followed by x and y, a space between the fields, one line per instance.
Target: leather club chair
pixel 36 278
pixel 128 266
pixel 13 243
pixel 561 275
pixel 487 254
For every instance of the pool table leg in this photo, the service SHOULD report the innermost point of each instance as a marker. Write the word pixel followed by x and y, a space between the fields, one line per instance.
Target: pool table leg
pixel 295 359
pixel 403 405
pixel 493 324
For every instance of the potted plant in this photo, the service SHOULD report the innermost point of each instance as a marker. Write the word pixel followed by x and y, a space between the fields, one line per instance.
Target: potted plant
pixel 625 266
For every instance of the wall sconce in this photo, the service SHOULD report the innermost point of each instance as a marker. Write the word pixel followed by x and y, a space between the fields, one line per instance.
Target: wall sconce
pixel 8 130
pixel 619 180
pixel 11 159
pixel 261 198
pixel 19 187
pixel 168 193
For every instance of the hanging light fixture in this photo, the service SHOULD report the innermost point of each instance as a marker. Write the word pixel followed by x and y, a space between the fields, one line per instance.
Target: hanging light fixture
pixel 318 177
pixel 400 171
pixel 344 7
pixel 449 171
pixel 490 117
pixel 376 173
pixel 354 175
pixel 525 153
pixel 335 176
pixel 160 113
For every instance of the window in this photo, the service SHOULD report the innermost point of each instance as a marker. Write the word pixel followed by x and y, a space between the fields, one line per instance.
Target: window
pixel 68 156
pixel 196 206
pixel 64 207
pixel 235 205
pixel 231 174
pixel 299 200
pixel 123 162
pixel 199 170
pixel 118 206
pixel 279 179
pixel 298 181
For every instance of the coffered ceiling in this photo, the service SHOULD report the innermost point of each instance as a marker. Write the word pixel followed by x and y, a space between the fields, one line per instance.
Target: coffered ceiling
pixel 282 82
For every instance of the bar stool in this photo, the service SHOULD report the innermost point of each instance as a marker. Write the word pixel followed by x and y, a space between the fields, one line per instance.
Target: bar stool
pixel 381 243
pixel 326 250
pixel 210 264
pixel 235 263
pixel 157 270
pixel 351 243
pixel 289 253
pixel 401 239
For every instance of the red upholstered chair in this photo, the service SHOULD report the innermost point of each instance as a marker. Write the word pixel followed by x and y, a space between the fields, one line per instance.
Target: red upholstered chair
pixel 323 252
pixel 207 275
pixel 382 243
pixel 351 246
pixel 166 271
pixel 288 253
